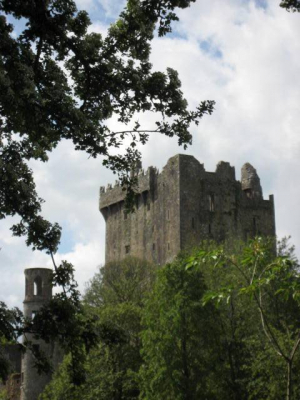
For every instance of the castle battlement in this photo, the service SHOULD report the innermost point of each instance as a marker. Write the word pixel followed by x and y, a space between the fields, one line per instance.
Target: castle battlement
pixel 115 194
pixel 182 205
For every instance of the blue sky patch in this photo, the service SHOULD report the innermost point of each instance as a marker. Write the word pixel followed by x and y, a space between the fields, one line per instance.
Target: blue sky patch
pixel 67 241
pixel 208 48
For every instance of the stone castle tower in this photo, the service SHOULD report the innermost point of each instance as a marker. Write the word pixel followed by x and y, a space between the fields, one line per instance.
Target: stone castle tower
pixel 183 205
pixel 38 291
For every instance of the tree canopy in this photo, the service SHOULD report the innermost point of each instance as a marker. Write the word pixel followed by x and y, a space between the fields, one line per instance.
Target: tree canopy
pixel 58 81
pixel 200 329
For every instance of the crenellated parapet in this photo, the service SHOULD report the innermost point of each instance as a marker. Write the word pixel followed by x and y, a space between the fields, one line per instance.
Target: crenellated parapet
pixel 115 194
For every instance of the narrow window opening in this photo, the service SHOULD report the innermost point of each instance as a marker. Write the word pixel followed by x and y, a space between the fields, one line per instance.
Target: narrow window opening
pixel 148 206
pixel 193 223
pixel 211 202
pixel 36 348
pixel 153 246
pixel 145 197
pixel 125 215
pixel 127 249
pixel 37 286
pixel 209 228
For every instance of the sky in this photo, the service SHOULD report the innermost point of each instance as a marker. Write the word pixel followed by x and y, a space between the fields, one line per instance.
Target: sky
pixel 244 54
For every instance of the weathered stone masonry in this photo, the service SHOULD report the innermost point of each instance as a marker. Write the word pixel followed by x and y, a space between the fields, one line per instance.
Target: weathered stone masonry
pixel 183 205
pixel 38 292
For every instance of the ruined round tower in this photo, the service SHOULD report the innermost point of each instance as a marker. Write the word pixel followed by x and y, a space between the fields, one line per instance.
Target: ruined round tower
pixel 38 291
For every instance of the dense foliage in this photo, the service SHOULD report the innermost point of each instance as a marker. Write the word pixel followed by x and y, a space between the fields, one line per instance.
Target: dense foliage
pixel 202 331
pixel 115 297
pixel 59 82
pixel 291 5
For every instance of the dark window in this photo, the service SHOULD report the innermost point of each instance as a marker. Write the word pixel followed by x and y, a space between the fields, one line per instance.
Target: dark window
pixel 145 197
pixel 36 348
pixel 153 246
pixel 127 249
pixel 209 228
pixel 193 223
pixel 148 206
pixel 37 286
pixel 125 215
pixel 211 202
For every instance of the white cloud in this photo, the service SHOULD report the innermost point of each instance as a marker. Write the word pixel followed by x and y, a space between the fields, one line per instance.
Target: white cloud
pixel 256 85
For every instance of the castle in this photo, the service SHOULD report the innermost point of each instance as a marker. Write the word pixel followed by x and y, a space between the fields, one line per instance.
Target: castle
pixel 183 205
pixel 175 209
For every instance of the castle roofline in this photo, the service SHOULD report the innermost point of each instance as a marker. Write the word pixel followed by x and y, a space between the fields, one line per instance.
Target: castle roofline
pixel 38 269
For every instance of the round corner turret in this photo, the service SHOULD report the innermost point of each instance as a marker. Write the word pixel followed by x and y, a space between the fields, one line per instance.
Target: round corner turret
pixel 250 182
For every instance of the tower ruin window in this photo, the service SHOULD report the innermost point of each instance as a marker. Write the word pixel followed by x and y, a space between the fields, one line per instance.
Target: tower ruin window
pixel 193 223
pixel 209 228
pixel 153 246
pixel 36 348
pixel 127 249
pixel 125 215
pixel 148 206
pixel 211 202
pixel 37 286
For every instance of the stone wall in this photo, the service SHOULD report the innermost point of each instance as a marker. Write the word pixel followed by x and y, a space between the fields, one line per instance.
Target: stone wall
pixel 183 205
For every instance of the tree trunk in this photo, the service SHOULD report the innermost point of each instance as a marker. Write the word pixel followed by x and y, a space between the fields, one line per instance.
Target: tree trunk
pixel 289 381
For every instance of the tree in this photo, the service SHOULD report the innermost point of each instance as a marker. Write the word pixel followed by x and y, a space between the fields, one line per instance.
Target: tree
pixel 59 82
pixel 179 338
pixel 291 5
pixel 273 285
pixel 115 296
pixel 10 326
